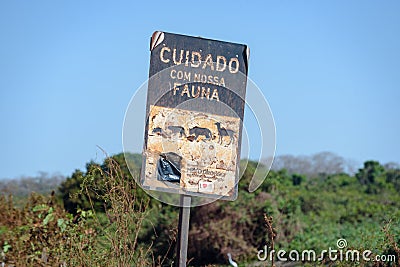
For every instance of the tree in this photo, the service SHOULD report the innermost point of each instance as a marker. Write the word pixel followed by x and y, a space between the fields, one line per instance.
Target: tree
pixel 368 174
pixel 297 179
pixel 71 189
pixel 320 164
pixel 393 176
pixel 70 193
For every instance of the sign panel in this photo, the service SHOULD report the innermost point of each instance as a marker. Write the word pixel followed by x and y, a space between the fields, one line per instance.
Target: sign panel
pixel 195 108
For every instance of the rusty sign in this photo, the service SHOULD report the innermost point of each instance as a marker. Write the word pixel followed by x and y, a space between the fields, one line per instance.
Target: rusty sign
pixel 194 112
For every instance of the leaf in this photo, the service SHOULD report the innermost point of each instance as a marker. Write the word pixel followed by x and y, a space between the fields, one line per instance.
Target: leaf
pixel 41 207
pixel 49 218
pixel 6 247
pixel 62 224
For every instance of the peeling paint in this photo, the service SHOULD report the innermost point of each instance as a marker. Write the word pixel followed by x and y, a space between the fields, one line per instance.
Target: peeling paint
pixel 195 137
pixel 195 105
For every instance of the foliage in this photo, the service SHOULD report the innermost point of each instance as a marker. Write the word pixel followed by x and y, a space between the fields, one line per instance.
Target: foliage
pixel 308 213
pixel 93 190
pixel 71 189
pixel 21 188
pixel 120 224
pixel 109 220
pixel 42 233
pixel 323 163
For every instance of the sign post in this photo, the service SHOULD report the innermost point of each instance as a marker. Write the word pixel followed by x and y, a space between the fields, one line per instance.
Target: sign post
pixel 183 230
pixel 194 119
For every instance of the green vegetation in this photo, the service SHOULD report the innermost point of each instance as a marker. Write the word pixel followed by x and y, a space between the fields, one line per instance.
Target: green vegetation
pixel 100 217
pixel 23 187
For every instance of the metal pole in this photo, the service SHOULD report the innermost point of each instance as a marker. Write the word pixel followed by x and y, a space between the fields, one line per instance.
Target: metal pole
pixel 183 230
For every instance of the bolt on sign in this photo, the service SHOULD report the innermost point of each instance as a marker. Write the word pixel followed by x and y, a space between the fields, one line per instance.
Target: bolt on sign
pixel 194 113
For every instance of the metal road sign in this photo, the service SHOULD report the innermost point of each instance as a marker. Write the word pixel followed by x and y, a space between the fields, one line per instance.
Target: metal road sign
pixel 195 107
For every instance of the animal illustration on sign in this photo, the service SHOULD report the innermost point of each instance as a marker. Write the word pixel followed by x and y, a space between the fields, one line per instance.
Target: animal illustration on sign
pixel 177 130
pixel 198 131
pixel 157 131
pixel 224 132
pixel 173 130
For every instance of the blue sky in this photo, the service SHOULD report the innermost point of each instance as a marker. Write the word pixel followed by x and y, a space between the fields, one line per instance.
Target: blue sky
pixel 330 71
